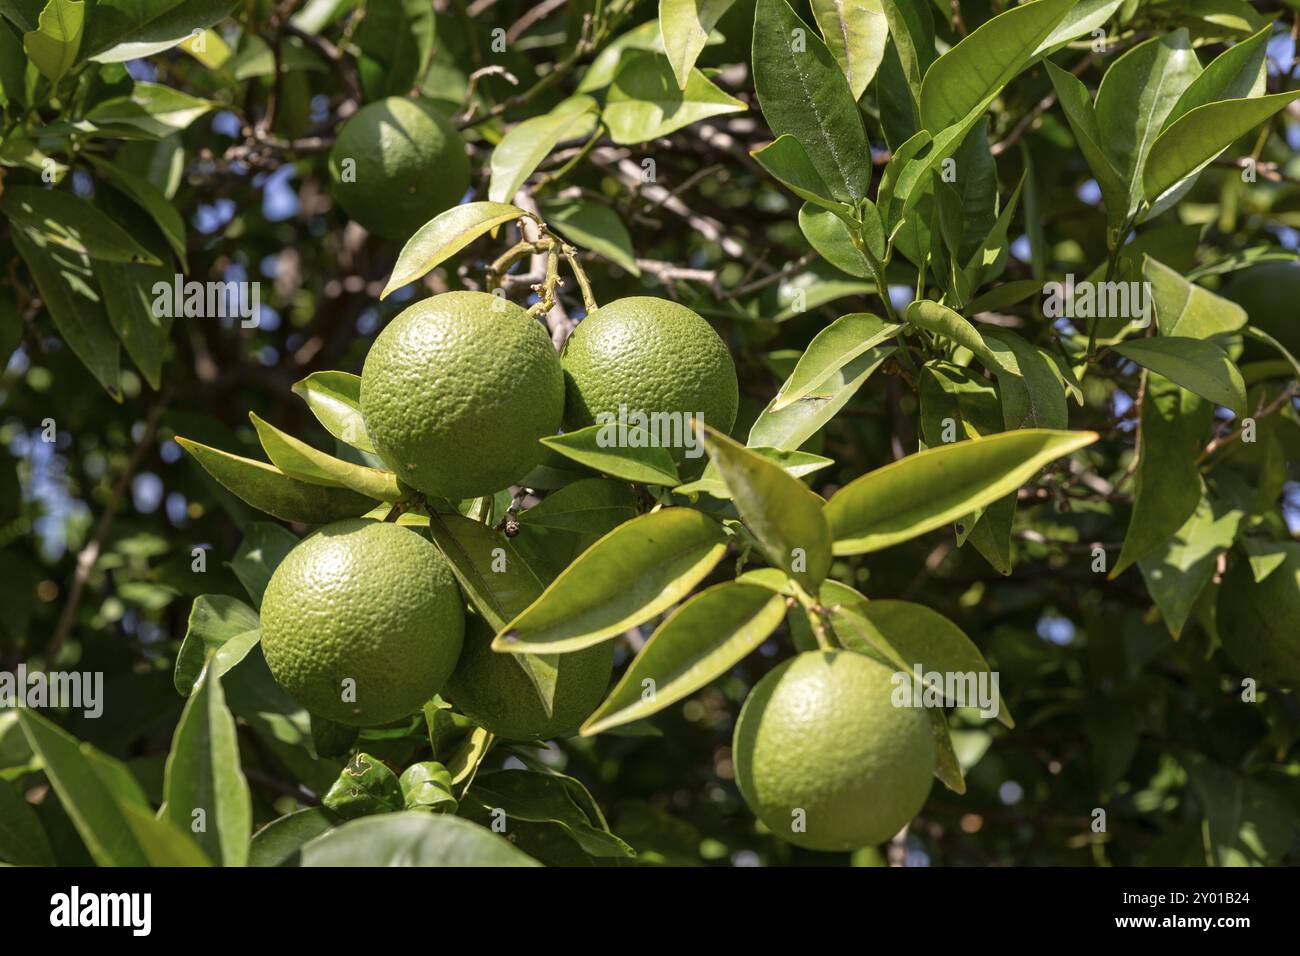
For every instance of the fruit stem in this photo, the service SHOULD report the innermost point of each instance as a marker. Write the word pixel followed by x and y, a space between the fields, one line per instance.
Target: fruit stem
pixel 571 257
pixel 401 507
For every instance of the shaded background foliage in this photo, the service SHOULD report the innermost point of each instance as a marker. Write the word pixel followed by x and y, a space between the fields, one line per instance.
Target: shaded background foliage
pixel 98 527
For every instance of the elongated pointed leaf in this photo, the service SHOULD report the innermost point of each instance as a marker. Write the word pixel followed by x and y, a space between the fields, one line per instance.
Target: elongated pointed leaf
pixel 979 66
pixel 53 46
pixel 794 463
pixel 685 26
pixel 699 642
pixel 268 489
pixel 803 92
pixel 216 621
pixel 934 487
pixel 523 148
pixel 610 449
pixel 787 161
pixel 1186 309
pixel 778 509
pixel 638 570
pixel 790 427
pixel 1082 18
pixel 1176 572
pixel 536 797
pixel 644 101
pixel 445 235
pixel 1082 117
pixel 855 32
pixel 299 460
pixel 149 198
pixel 582 506
pixel 1196 138
pixel 911 27
pixel 829 235
pixel 831 349
pixel 1236 73
pixel 205 790
pixel 1198 366
pixel 72 222
pixel 151 108
pixel 411 838
pixel 335 399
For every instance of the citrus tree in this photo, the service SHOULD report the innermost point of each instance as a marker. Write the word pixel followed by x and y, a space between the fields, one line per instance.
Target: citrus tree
pixel 599 434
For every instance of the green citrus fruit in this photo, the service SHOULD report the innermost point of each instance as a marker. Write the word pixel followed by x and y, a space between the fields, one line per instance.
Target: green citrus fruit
pixel 456 392
pixel 648 355
pixel 367 602
pixel 820 734
pixel 491 688
pixel 408 164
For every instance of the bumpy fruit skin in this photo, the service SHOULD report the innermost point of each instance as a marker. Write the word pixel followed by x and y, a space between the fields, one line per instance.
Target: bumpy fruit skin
pixel 650 355
pixel 492 690
pixel 410 166
pixel 369 601
pixel 456 392
pixel 819 733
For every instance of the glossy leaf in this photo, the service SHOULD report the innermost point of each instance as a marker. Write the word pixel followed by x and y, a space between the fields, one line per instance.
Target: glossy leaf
pixel 365 786
pixel 1200 367
pixel 830 236
pixel 149 198
pixel 697 643
pixel 279 841
pixel 221 626
pixel 1082 117
pixel 970 74
pixel 259 554
pixel 794 463
pixel 204 787
pixel 934 487
pixel 1081 19
pixel 299 460
pixel 335 399
pixel 685 26
pixel 1032 393
pixel 787 161
pixel 1236 73
pixel 128 30
pixel 644 101
pixel 1176 572
pixel 410 838
pixel 1186 309
pixel 53 46
pixel 524 147
pixel 427 786
pixel 594 226
pixel 445 235
pixel 831 349
pixel 638 570
pixel 782 513
pixel 585 505
pixel 911 28
pixel 790 427
pixel 855 32
pixel 609 449
pixel 544 798
pixel 803 92
pixel 72 222
pixel 268 489
pixel 152 109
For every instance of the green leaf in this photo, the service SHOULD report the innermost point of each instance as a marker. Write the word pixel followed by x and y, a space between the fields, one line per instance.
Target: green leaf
pixel 52 47
pixel 92 787
pixel 70 221
pixel 1194 140
pixel 279 842
pixel 1032 393
pixel 790 427
pixel 697 643
pixel 124 30
pixel 329 738
pixel 644 101
pixel 445 235
pixel 1167 485
pixel 259 554
pixel 831 349
pixel 609 448
pixel 1261 336
pixel 66 282
pixel 586 505
pixel 545 798
pixel 427 786
pixel 1246 822
pixel 974 71
pixel 594 226
pixel 364 787
pixel 911 27
pixel 1200 367
pixel 942 320
pixel 1185 309
pixel 1176 572
pixel 149 198
pixel 1077 106
pixel 794 463
pixel 22 840
pixel 685 26
pixel 1236 73
pixel 221 626
pixel 396 40
pixel 782 513
pixel 638 570
pixel 1256 618
pixel 1137 93
pixel 856 32
pixel 1082 18
pixel 939 485
pixel 523 148
pixel 803 92
pixel 335 399
pixel 411 838
pixel 205 789
pixel 153 109
pixel 829 235
pixel 299 460
pixel 128 293
pixel 268 489
pixel 788 162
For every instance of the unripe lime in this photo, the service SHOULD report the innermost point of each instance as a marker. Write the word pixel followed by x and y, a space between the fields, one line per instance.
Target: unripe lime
pixel 456 392
pixel 396 164
pixel 648 355
pixel 491 689
pixel 362 622
pixel 824 758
